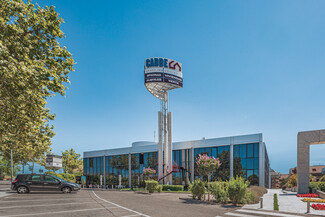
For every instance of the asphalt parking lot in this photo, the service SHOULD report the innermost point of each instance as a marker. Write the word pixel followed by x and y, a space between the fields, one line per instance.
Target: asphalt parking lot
pixel 104 203
pixel 117 204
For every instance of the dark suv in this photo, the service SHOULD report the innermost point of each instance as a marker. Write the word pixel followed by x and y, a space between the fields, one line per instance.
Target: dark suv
pixel 24 183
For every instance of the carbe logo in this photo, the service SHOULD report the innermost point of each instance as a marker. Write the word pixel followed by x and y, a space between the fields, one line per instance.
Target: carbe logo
pixel 163 62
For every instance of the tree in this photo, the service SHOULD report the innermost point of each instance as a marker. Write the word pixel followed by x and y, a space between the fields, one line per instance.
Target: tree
pixel 223 171
pixel 148 171
pixel 5 168
pixel 71 161
pixel 33 67
pixel 238 167
pixel 292 182
pixel 206 166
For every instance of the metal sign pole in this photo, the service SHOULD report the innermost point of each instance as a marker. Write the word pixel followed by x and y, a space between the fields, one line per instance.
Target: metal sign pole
pixel 12 166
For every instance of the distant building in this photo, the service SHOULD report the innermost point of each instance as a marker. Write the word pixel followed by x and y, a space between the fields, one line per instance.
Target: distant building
pixel 317 171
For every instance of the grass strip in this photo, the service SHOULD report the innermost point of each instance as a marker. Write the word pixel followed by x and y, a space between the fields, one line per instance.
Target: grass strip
pixel 275 202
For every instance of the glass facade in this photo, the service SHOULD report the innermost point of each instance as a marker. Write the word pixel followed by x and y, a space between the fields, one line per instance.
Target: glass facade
pixel 117 167
pixel 181 167
pixel 140 161
pixel 246 162
pixel 93 168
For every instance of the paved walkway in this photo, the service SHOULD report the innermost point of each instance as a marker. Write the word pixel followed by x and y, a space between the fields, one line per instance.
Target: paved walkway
pixel 288 202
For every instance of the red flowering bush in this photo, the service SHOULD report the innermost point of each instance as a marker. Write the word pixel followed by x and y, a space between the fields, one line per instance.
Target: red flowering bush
pixel 307 195
pixel 318 206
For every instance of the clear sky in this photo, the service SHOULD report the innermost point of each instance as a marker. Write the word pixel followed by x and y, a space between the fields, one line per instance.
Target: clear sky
pixel 249 67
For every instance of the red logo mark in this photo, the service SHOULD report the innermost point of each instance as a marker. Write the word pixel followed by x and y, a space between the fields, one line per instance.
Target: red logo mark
pixel 174 66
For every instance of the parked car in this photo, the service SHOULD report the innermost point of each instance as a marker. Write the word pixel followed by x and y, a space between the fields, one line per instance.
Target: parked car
pixel 24 183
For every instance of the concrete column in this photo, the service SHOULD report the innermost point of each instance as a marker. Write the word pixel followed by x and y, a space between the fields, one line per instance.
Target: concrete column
pixel 303 154
pixel 130 171
pixel 170 150
pixel 104 173
pixel 261 174
pixel 305 139
pixel 160 147
pixel 192 164
pixel 231 160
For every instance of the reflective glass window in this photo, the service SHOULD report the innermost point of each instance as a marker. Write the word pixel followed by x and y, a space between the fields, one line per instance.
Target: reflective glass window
pixel 256 150
pixel 250 150
pixel 242 150
pixel 256 163
pixel 250 163
pixel 236 151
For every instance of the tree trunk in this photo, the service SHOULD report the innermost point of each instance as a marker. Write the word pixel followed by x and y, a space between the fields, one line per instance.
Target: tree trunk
pixel 208 188
pixel 33 167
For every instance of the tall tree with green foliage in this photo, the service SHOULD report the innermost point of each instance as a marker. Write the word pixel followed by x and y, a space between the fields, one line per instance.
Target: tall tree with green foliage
pixel 71 161
pixel 33 67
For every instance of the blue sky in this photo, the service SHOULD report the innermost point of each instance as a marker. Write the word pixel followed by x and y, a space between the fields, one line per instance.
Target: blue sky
pixel 249 67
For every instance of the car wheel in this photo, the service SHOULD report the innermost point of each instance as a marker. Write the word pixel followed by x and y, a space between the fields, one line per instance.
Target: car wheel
pixel 22 190
pixel 66 190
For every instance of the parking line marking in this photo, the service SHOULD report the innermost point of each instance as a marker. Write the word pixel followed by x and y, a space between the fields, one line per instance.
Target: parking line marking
pixel 10 207
pixel 267 213
pixel 24 200
pixel 130 215
pixel 46 213
pixel 238 214
pixel 120 206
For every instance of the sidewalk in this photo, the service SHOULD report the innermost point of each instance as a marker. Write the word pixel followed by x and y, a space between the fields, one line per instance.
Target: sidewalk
pixel 288 202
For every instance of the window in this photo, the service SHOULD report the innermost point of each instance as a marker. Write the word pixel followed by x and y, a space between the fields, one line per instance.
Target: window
pixel 35 178
pixel 50 179
pixel 314 170
pixel 141 159
pixel 91 162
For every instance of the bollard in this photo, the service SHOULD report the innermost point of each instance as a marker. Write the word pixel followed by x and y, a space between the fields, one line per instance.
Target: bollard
pixel 308 206
pixel 261 203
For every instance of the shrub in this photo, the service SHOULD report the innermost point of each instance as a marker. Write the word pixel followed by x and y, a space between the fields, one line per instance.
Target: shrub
pixel 275 202
pixel 173 187
pixel 321 186
pixel 257 193
pixel 159 188
pixel 197 189
pixel 249 197
pixel 220 191
pixel 318 185
pixel 312 185
pixel 237 188
pixel 151 185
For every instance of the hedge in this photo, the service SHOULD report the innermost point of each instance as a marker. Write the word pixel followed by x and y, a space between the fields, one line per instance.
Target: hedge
pixel 151 185
pixel 173 187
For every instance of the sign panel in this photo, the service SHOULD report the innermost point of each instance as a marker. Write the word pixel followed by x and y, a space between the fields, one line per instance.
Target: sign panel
pixel 83 180
pixel 159 69
pixel 54 161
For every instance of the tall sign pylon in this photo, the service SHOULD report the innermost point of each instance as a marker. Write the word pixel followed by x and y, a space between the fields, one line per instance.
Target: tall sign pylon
pixel 160 76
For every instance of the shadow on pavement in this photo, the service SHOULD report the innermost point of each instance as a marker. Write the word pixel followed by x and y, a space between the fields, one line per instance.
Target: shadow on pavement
pixel 192 201
pixel 50 192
